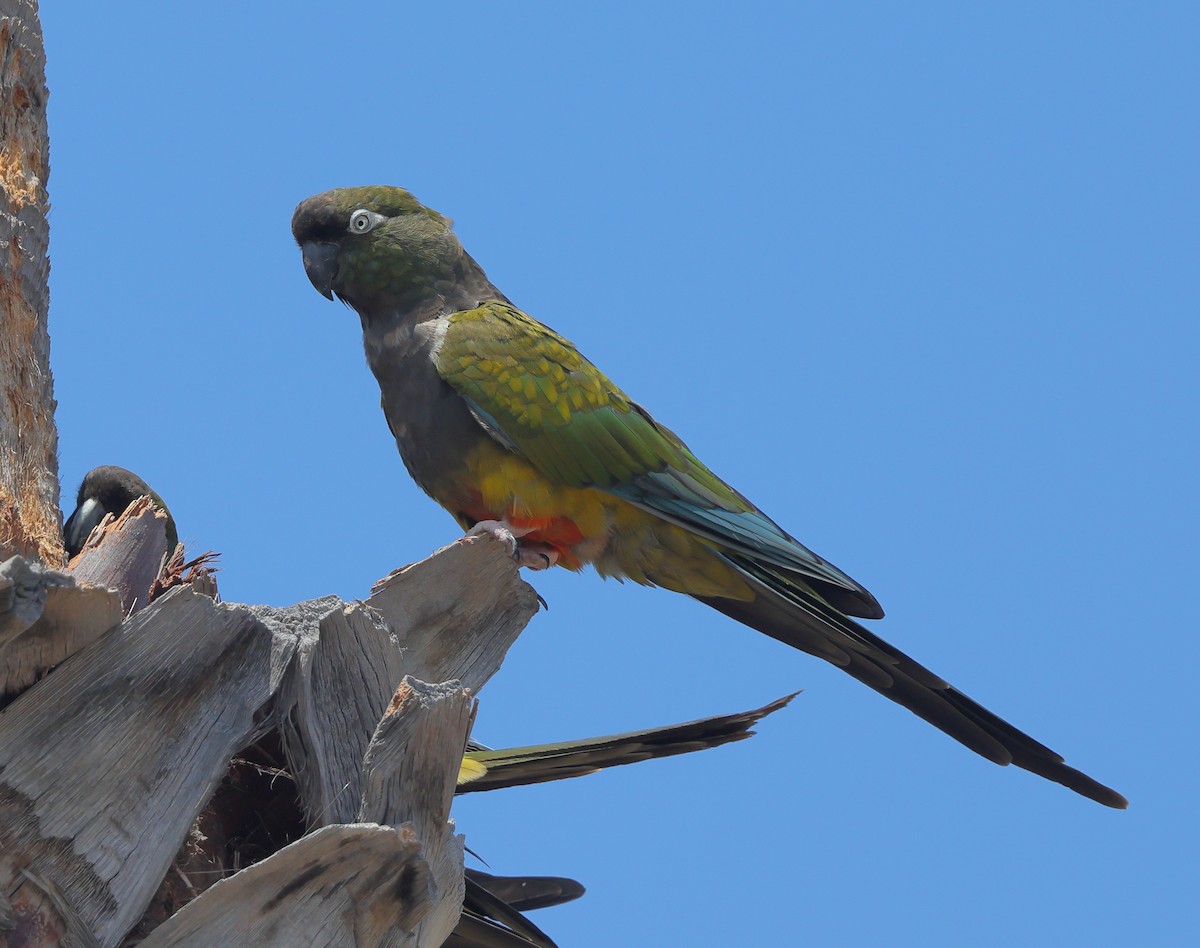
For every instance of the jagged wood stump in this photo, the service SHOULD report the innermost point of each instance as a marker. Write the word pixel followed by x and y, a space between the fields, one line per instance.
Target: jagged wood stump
pixel 123 737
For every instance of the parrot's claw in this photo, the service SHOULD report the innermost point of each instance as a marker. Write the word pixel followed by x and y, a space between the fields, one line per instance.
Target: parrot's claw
pixel 535 556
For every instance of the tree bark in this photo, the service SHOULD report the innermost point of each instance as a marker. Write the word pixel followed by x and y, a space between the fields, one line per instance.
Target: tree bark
pixel 29 514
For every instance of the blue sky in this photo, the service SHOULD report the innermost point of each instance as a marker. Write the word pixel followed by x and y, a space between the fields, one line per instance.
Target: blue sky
pixel 919 279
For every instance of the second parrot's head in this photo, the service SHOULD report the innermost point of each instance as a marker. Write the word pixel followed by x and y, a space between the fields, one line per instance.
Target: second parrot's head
pixel 377 247
pixel 109 490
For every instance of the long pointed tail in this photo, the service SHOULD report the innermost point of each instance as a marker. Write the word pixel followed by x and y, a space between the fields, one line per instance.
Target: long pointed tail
pixel 490 922
pixel 787 610
pixel 526 893
pixel 485 769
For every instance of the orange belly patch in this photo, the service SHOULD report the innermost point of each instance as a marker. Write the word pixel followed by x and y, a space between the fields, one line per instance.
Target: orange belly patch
pixel 585 526
pixel 574 522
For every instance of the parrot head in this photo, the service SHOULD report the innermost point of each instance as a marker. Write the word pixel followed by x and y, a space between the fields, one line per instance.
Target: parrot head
pixel 377 247
pixel 109 490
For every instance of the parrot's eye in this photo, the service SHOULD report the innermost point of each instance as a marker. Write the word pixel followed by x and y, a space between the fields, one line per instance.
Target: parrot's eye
pixel 362 221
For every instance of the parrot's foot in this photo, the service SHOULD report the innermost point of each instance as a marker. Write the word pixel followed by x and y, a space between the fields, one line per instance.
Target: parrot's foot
pixel 530 555
pixel 535 556
pixel 498 529
pixel 506 533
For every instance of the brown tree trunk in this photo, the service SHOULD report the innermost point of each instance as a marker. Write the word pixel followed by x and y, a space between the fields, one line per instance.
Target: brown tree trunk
pixel 29 515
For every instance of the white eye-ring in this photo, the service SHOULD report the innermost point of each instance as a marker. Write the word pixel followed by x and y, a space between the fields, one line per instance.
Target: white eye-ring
pixel 363 221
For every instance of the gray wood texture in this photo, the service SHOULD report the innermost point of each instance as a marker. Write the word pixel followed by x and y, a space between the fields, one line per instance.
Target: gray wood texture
pixel 339 887
pixel 44 619
pixel 394 877
pixel 451 635
pixel 107 762
pixel 410 772
pixel 125 554
pixel 451 617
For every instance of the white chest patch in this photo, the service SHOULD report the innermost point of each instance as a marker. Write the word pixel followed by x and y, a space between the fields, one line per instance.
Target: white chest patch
pixel 433 333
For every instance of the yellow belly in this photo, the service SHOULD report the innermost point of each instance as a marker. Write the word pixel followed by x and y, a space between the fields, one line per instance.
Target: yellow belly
pixel 586 525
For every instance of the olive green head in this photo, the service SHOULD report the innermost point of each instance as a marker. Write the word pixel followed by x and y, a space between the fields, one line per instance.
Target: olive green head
pixel 376 247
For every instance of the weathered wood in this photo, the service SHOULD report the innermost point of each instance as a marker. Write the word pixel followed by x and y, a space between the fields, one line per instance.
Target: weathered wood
pixel 31 921
pixel 359 884
pixel 296 630
pixel 29 516
pixel 419 740
pixel 44 619
pixel 23 590
pixel 409 775
pixel 340 886
pixel 126 554
pixel 254 813
pixel 343 680
pixel 450 636
pixel 105 763
pixel 456 612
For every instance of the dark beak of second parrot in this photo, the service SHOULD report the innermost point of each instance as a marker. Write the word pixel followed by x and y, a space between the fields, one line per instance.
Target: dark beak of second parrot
pixel 321 265
pixel 80 524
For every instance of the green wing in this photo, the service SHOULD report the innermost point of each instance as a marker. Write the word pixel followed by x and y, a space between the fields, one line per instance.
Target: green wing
pixel 539 396
pixel 533 392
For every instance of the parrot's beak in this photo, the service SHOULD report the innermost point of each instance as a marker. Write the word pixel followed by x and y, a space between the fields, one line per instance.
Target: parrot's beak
pixel 321 265
pixel 81 523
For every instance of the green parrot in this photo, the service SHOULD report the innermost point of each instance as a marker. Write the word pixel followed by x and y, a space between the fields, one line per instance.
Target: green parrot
pixel 109 490
pixel 505 424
